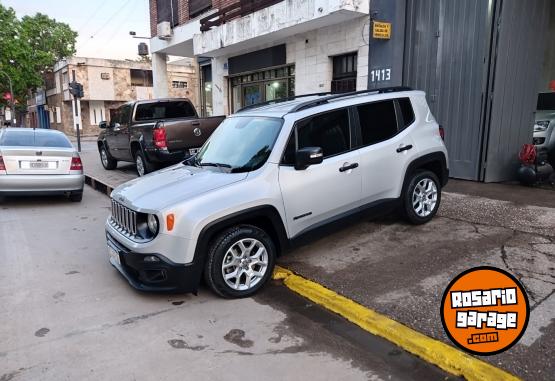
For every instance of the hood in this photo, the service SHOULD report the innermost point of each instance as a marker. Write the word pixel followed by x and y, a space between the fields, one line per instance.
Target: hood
pixel 171 185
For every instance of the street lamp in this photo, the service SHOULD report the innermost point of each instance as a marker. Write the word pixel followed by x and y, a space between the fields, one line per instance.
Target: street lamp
pixel 12 100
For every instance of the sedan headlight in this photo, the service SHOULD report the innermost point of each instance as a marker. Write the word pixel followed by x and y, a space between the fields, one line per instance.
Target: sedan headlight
pixel 541 125
pixel 152 222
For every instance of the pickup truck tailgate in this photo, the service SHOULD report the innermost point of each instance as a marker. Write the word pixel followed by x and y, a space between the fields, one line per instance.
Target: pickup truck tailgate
pixel 187 134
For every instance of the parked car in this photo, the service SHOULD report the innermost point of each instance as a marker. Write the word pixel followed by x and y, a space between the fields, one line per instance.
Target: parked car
pixel 153 134
pixel 544 127
pixel 39 161
pixel 268 175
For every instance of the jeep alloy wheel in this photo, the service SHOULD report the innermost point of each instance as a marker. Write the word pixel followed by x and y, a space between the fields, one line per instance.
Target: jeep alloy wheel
pixel 245 264
pixel 424 197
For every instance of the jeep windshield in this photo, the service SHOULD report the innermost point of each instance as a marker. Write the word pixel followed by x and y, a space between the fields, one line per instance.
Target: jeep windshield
pixel 239 144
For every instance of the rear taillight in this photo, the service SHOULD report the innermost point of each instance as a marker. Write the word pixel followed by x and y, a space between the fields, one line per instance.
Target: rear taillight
pixel 2 165
pixel 159 137
pixel 76 164
pixel 442 132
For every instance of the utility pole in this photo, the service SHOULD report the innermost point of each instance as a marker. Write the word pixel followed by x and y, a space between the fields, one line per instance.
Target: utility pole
pixel 12 99
pixel 76 90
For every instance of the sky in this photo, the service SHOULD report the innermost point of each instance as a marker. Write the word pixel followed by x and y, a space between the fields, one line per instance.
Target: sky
pixel 103 25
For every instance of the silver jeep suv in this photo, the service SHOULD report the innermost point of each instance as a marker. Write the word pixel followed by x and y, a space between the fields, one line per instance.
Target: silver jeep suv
pixel 268 175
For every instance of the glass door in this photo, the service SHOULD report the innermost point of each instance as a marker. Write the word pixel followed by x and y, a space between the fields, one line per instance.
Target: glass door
pixel 252 94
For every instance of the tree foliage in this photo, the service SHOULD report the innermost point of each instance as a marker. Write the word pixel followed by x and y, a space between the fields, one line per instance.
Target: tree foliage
pixel 28 48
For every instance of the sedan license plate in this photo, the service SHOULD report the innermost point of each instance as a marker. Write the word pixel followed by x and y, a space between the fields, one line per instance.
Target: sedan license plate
pixel 193 151
pixel 38 164
pixel 114 254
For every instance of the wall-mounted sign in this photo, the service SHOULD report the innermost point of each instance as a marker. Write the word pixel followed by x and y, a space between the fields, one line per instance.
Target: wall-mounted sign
pixel 104 75
pixel 381 30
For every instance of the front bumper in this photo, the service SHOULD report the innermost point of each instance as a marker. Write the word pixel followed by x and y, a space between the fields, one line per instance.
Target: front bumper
pixel 161 276
pixel 18 184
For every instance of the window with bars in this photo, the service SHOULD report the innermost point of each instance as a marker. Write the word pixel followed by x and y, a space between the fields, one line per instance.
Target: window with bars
pixel 179 84
pixel 344 73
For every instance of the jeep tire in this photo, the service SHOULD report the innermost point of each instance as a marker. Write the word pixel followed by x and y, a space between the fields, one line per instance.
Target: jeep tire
pixel 240 261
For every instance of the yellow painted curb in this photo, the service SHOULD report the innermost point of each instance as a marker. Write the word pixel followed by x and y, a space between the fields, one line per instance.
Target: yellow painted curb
pixel 433 351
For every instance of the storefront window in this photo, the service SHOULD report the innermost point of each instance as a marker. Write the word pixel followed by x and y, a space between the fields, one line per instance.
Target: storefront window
pixel 267 85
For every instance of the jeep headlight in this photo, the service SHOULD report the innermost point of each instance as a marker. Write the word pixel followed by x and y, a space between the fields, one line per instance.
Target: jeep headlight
pixel 541 125
pixel 152 223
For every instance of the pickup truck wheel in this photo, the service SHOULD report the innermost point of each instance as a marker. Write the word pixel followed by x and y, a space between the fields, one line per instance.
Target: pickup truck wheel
pixel 422 197
pixel 108 162
pixel 240 261
pixel 143 166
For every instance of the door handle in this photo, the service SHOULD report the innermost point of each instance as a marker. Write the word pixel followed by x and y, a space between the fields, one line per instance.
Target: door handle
pixel 195 123
pixel 404 148
pixel 346 167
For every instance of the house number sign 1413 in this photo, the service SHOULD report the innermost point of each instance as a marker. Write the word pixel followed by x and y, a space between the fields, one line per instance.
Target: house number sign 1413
pixel 380 75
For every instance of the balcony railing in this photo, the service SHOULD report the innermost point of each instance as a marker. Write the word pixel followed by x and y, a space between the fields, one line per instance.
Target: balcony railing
pixel 233 11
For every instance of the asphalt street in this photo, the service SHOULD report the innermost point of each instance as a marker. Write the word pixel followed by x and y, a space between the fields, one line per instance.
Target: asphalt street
pixel 67 314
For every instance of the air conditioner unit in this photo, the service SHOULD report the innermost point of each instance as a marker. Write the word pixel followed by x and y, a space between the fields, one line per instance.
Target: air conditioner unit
pixel 164 30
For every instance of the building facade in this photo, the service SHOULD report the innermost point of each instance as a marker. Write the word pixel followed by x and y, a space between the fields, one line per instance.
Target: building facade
pixel 255 51
pixel 481 63
pixel 107 84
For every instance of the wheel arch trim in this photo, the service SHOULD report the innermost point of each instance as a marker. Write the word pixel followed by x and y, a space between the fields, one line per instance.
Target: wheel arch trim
pixel 422 162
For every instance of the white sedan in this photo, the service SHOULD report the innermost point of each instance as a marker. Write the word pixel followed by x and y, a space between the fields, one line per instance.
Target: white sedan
pixel 39 161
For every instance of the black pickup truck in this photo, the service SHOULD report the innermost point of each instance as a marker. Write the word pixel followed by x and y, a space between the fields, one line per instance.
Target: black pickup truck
pixel 153 133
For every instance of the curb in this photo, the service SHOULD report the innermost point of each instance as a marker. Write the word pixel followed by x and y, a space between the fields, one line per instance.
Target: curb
pixel 431 350
pixel 98 185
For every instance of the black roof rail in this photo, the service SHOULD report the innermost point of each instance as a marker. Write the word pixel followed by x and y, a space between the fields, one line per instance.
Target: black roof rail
pixel 323 100
pixel 280 100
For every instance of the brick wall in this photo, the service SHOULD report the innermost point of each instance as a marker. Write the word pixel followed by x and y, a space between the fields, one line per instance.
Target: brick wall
pixel 183 10
pixel 153 17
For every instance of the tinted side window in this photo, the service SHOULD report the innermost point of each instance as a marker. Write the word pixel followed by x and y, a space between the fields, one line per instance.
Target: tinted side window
pixel 289 154
pixel 124 115
pixel 377 121
pixel 329 131
pixel 406 111
pixel 115 116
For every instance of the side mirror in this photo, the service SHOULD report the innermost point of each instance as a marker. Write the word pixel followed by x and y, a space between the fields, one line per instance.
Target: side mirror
pixel 305 157
pixel 103 124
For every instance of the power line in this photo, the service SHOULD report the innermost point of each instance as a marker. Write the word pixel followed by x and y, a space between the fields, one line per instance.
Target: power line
pixel 106 23
pixel 86 23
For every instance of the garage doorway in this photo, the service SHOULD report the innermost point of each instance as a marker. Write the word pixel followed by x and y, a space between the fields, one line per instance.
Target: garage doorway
pixel 479 62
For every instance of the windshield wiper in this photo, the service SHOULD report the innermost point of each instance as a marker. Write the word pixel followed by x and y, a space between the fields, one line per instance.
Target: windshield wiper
pixel 219 165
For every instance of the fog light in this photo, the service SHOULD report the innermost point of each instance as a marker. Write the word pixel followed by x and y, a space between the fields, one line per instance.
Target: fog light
pixel 151 258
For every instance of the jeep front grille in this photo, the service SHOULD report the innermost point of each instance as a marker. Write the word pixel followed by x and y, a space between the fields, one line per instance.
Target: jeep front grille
pixel 124 218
